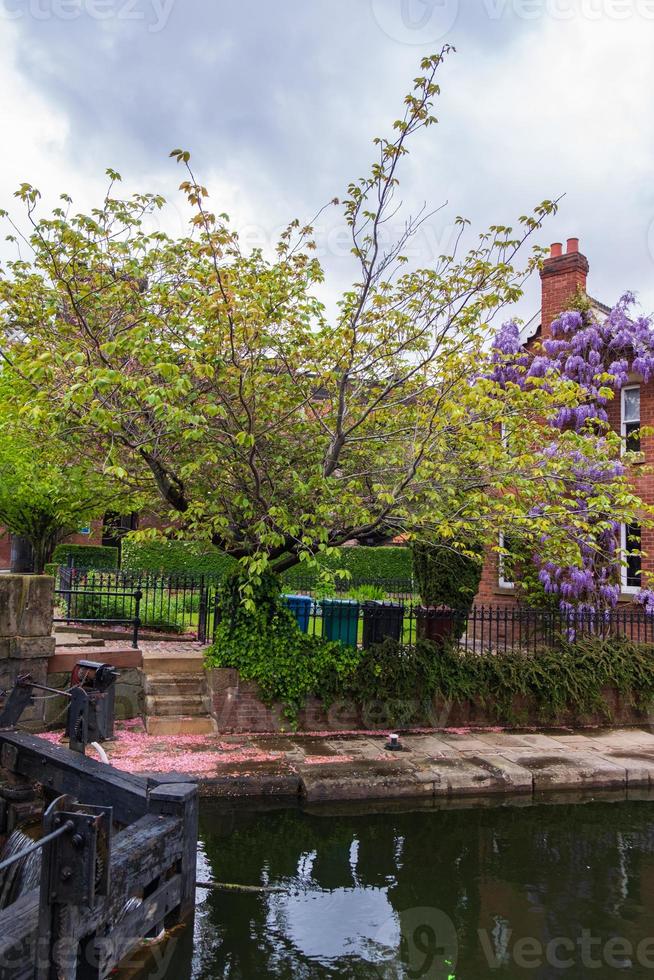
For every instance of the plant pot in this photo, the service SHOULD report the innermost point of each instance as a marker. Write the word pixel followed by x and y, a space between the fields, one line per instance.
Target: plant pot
pixel 437 624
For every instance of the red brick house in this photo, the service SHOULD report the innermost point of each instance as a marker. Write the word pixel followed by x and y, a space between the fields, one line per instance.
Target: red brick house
pixel 564 274
pixel 107 531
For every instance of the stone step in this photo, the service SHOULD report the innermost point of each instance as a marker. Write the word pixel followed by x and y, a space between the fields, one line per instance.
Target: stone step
pixel 164 707
pixel 71 640
pixel 77 630
pixel 180 725
pixel 183 684
pixel 100 654
pixel 173 664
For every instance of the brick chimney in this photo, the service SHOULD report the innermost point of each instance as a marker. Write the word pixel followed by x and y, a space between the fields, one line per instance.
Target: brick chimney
pixel 562 275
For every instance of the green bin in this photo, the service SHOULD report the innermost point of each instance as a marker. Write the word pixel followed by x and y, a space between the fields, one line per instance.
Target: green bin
pixel 340 620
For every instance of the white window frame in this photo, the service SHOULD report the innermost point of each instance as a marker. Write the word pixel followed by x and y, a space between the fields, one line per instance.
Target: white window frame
pixel 623 420
pixel 503 583
pixel 624 546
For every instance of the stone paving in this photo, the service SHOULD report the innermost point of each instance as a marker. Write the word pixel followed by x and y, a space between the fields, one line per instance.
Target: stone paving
pixel 432 765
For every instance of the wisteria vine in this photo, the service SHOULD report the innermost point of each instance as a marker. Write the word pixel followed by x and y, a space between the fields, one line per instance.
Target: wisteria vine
pixel 600 356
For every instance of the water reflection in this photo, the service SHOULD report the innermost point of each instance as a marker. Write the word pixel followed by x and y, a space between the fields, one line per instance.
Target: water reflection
pixel 538 892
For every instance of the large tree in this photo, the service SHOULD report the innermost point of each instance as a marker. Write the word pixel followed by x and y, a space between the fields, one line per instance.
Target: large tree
pixel 214 375
pixel 48 488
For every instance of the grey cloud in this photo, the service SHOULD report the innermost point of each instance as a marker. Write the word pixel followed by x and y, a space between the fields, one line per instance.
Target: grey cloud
pixel 282 98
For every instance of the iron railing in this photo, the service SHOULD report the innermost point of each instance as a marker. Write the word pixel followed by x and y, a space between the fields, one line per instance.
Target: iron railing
pixel 361 612
pixel 99 607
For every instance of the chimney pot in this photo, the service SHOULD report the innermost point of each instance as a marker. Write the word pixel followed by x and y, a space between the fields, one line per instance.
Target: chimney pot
pixel 573 245
pixel 556 250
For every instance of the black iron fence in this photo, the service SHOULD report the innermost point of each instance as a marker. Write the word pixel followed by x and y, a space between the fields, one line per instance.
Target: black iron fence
pixel 94 606
pixel 502 628
pixel 178 604
pixel 356 613
pixel 481 629
pixel 186 605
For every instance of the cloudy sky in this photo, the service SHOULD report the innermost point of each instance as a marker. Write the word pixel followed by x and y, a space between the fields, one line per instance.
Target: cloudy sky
pixel 278 102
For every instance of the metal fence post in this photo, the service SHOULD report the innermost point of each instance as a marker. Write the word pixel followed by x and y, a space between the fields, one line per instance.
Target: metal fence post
pixel 138 595
pixel 202 611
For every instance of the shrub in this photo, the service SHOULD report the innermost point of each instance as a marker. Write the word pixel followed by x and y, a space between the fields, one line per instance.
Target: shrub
pixel 367 593
pixel 175 558
pixel 194 559
pixel 568 676
pixel 396 684
pixel 86 556
pixel 376 565
pixel 266 645
pixel 390 680
pixel 445 577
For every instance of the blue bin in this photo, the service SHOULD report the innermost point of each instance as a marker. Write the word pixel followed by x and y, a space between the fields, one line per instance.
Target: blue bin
pixel 300 606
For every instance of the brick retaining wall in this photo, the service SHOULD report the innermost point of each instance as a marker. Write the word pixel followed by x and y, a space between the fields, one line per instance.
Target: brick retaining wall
pixel 237 708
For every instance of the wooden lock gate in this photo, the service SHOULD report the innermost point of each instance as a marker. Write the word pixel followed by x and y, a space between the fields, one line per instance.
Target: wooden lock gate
pixel 119 864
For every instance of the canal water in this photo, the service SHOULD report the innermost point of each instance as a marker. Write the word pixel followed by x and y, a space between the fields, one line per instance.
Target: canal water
pixel 486 892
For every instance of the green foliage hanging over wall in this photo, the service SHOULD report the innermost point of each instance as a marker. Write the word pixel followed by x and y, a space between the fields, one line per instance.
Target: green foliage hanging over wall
pixel 266 645
pixel 400 685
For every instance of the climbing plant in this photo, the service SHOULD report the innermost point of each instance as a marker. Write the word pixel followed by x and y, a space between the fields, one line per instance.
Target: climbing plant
pixel 599 355
pixel 264 643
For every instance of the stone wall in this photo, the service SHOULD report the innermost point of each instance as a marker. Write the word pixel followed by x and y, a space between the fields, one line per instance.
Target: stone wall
pixel 237 708
pixel 26 641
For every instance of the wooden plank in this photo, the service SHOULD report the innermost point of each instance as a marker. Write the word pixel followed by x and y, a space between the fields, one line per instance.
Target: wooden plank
pixel 141 853
pixel 18 932
pixel 184 801
pixel 125 938
pixel 67 772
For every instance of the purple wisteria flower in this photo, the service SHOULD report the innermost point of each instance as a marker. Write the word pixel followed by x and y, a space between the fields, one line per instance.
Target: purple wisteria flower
pixel 600 356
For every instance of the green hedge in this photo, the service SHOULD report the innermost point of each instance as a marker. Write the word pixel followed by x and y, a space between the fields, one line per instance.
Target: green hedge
pixel 174 558
pixel 444 577
pixel 364 565
pixel 86 556
pixel 183 557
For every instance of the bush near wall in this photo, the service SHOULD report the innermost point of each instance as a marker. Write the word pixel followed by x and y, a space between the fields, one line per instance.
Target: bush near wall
pixel 364 565
pixel 187 558
pixel 175 558
pixel 86 556
pixel 444 577
pixel 566 678
pixel 399 685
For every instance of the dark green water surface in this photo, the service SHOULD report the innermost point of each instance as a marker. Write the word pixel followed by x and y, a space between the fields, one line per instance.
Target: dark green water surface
pixel 511 891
